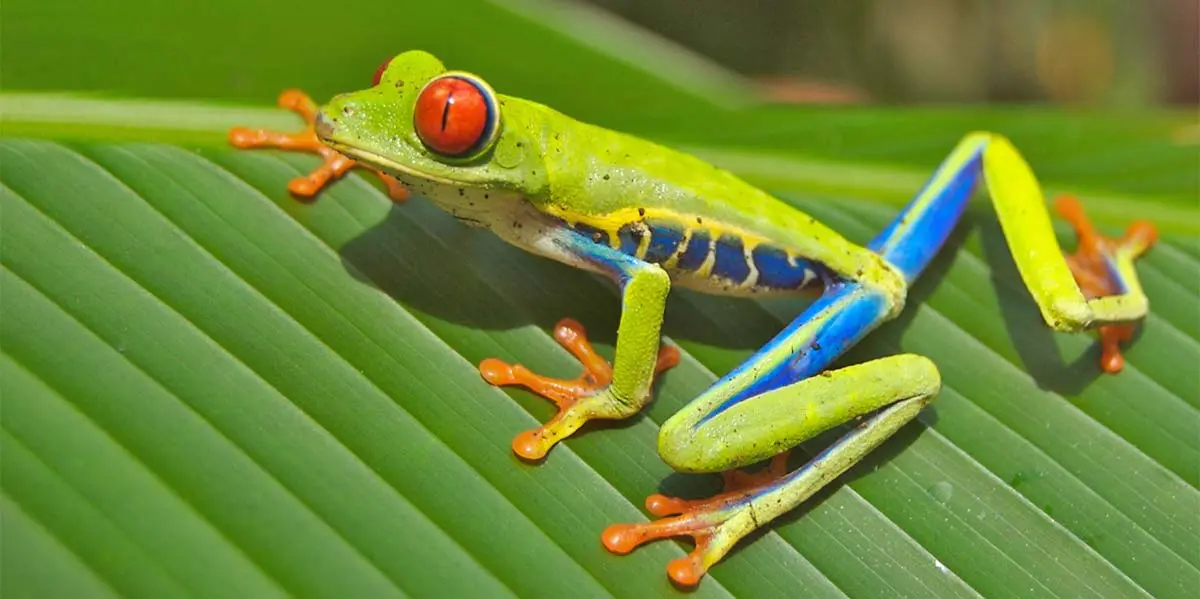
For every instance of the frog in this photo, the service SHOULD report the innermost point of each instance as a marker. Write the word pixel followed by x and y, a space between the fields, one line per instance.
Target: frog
pixel 650 218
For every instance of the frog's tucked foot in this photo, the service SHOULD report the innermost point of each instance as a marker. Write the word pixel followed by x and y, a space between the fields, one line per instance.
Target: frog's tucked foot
pixel 716 523
pixel 335 165
pixel 1090 267
pixel 578 400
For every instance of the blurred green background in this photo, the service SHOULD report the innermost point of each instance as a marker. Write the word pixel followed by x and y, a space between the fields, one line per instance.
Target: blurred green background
pixel 1089 52
pixel 1092 52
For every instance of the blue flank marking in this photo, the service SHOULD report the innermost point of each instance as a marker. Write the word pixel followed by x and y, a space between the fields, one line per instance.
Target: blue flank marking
pixel 911 249
pixel 775 271
pixel 730 262
pixel 851 311
pixel 696 252
pixel 630 236
pixel 664 241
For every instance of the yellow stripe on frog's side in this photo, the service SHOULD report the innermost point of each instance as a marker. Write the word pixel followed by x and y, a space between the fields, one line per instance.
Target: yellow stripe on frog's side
pixel 671 262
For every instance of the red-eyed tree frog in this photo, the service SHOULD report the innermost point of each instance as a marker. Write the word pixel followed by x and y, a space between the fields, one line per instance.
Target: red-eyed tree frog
pixel 649 217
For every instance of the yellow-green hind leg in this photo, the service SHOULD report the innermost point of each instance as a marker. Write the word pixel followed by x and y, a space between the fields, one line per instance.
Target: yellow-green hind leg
pixel 1096 288
pixel 1090 265
pixel 1066 293
pixel 896 388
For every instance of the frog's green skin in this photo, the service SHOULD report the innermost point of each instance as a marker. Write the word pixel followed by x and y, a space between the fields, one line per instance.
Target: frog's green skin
pixel 599 200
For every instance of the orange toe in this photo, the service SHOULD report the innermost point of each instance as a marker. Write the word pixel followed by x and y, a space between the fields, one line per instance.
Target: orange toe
pixel 333 165
pixel 565 393
pixel 1090 266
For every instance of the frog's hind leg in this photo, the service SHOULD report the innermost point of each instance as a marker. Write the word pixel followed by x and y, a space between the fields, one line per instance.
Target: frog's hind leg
pixel 1095 288
pixel 717 524
pixel 770 404
pixel 782 395
pixel 333 165
pixel 1094 270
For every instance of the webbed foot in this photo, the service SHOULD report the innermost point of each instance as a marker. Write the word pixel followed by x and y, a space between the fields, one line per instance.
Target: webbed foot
pixel 716 523
pixel 578 400
pixel 334 165
pixel 1090 265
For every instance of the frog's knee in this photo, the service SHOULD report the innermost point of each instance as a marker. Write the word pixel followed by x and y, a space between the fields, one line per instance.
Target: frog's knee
pixel 688 448
pixel 888 281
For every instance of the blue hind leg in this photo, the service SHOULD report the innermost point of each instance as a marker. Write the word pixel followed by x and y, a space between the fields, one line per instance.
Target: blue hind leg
pixel 769 405
pixel 916 234
pixel 773 401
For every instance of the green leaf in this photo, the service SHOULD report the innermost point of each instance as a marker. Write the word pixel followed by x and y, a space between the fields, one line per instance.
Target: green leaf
pixel 212 389
pixel 203 375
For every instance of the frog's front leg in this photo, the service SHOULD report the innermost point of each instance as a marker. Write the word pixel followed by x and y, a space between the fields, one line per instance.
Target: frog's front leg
pixel 771 404
pixel 333 165
pixel 602 391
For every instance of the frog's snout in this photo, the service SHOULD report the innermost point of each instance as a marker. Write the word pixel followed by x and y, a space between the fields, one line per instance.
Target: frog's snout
pixel 324 126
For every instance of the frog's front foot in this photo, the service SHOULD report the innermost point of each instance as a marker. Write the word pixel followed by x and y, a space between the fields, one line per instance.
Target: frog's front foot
pixel 578 400
pixel 716 523
pixel 1090 265
pixel 334 165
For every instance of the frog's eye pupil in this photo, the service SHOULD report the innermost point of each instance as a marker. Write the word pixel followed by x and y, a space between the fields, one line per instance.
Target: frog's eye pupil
pixel 379 72
pixel 455 115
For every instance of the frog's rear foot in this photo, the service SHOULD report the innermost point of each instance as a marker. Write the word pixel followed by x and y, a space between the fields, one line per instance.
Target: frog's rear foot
pixel 1090 265
pixel 716 523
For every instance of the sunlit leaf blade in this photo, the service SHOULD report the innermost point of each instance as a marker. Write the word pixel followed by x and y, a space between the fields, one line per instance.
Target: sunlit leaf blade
pixel 202 374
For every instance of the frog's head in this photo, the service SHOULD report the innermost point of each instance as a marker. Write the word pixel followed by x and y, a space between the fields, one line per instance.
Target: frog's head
pixel 445 134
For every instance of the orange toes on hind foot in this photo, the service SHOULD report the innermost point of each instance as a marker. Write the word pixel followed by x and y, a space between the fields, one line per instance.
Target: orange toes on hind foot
pixel 1090 267
pixel 737 485
pixel 715 523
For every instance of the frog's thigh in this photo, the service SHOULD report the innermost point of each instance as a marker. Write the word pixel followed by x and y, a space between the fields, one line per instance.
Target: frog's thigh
pixel 767 424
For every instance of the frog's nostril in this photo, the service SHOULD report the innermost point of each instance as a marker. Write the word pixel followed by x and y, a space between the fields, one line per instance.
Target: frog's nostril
pixel 324 126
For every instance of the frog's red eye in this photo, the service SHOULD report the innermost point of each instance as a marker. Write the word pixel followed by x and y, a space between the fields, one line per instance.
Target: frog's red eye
pixel 379 72
pixel 456 115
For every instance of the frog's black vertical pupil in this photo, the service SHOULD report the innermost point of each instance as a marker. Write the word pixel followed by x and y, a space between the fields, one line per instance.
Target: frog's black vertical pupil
pixel 446 112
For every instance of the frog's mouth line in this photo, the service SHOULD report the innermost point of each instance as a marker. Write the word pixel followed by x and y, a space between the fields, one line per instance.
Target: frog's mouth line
pixel 385 164
pixel 327 132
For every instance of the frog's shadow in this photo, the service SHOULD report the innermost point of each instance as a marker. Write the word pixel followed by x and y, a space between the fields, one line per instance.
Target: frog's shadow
pixel 429 262
pixel 433 265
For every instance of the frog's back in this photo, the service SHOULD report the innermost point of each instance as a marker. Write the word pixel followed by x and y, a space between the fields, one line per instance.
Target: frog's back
pixel 708 228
